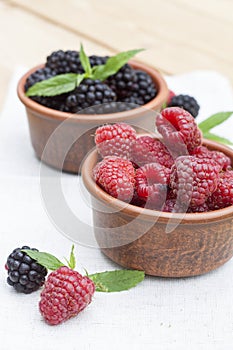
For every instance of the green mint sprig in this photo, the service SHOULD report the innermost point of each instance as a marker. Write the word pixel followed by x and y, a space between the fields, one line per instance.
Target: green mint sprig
pixel 45 259
pixel 108 281
pixel 117 280
pixel 64 83
pixel 208 124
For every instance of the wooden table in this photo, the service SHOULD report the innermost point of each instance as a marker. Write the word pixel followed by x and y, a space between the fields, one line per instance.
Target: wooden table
pixel 179 35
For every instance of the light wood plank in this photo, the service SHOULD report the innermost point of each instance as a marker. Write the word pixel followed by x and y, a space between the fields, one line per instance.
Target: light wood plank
pixel 26 40
pixel 178 34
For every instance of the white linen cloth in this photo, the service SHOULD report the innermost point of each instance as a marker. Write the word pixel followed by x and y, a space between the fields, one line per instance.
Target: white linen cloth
pixel 163 314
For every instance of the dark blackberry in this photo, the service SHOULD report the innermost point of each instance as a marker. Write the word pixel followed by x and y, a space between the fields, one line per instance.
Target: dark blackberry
pixel 122 83
pixel 54 102
pixel 97 60
pixel 64 62
pixel 90 93
pixel 143 91
pixel 39 75
pixel 25 275
pixel 186 102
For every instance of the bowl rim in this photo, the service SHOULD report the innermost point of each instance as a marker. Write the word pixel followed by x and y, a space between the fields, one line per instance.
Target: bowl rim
pixel 149 214
pixel 160 98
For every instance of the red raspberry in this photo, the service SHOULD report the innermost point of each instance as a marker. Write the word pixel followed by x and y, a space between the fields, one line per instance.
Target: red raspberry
pixel 199 209
pixel 147 150
pixel 223 196
pixel 193 180
pixel 151 184
pixel 65 294
pixel 219 157
pixel 137 201
pixel 171 94
pixel 116 176
pixel 179 130
pixel 115 140
pixel 169 205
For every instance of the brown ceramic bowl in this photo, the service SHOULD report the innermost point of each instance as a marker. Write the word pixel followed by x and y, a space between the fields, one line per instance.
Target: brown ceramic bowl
pixel 136 238
pixel 61 153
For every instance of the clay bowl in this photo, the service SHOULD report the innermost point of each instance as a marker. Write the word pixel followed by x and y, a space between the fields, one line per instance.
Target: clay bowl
pixel 161 244
pixel 71 142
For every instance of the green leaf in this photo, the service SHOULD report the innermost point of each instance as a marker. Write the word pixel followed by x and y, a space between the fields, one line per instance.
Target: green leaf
pixel 80 78
pixel 116 281
pixel 211 136
pixel 72 261
pixel 113 64
pixel 85 61
pixel 45 259
pixel 57 85
pixel 214 120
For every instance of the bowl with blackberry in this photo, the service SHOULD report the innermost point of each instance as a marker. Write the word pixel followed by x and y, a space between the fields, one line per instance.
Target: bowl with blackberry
pixel 72 94
pixel 162 203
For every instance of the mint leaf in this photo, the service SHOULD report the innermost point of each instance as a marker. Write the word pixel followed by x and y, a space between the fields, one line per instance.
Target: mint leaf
pixel 72 261
pixel 45 259
pixel 214 120
pixel 211 136
pixel 80 78
pixel 113 64
pixel 85 61
pixel 116 281
pixel 57 85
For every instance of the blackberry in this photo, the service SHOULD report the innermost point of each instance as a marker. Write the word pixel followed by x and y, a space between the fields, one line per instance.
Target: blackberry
pixel 64 62
pixel 54 102
pixel 143 90
pixel 90 93
pixel 186 102
pixel 39 75
pixel 122 83
pixel 97 60
pixel 25 275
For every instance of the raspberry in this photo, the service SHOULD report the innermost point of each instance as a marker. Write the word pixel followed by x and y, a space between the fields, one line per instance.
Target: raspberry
pixel 179 130
pixel 193 180
pixel 65 294
pixel 137 201
pixel 115 140
pixel 151 184
pixel 88 94
pixel 219 157
pixel 187 102
pixel 223 196
pixel 170 96
pixel 25 275
pixel 169 205
pixel 149 150
pixel 116 176
pixel 199 209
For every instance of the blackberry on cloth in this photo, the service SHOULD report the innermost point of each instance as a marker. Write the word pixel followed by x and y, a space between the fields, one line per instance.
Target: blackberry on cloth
pixel 187 102
pixel 25 275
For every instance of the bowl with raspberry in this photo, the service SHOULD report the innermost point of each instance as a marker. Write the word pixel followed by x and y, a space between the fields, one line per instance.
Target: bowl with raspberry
pixel 163 204
pixel 71 94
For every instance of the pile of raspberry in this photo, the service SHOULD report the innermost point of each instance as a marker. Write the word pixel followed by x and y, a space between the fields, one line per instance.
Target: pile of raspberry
pixel 175 173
